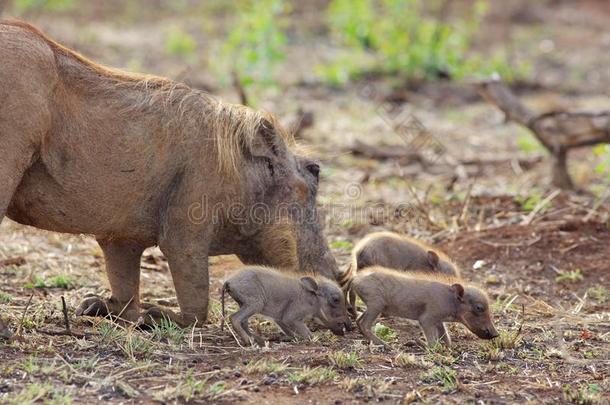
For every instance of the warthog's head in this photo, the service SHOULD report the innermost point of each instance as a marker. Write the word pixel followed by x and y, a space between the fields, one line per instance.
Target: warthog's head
pixel 278 225
pixel 332 311
pixel 473 311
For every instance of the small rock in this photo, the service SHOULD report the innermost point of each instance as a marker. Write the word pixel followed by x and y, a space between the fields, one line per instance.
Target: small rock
pixel 479 264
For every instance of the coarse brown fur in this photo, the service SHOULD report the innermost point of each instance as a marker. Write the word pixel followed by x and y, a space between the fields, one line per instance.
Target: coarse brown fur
pixel 289 298
pixel 399 252
pixel 137 161
pixel 430 298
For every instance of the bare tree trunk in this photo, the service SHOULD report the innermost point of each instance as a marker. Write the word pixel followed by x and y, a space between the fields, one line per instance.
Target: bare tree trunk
pixel 557 131
pixel 561 177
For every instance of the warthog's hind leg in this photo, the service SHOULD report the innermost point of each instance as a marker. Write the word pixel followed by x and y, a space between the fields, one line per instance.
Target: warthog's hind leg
pixel 123 271
pixel 239 321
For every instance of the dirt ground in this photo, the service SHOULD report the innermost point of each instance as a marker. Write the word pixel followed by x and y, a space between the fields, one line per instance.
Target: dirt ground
pixel 542 255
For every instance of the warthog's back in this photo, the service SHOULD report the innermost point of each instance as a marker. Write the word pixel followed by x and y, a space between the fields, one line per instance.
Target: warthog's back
pixel 104 160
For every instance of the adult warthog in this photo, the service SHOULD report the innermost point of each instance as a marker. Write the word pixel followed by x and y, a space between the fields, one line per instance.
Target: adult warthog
pixel 138 161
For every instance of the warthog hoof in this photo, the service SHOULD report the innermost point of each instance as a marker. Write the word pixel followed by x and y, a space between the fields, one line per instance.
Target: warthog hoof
pixel 93 305
pixel 154 315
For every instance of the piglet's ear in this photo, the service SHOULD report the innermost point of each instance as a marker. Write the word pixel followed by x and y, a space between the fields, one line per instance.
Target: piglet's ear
pixel 309 284
pixel 459 291
pixel 433 259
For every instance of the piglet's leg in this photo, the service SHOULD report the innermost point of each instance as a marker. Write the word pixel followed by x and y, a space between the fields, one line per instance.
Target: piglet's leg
pixel 366 322
pixel 444 334
pixel 352 303
pixel 285 328
pixel 432 330
pixel 299 328
pixel 239 320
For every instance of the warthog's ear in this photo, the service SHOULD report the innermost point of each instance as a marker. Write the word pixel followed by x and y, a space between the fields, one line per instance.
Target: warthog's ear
pixel 266 142
pixel 459 291
pixel 309 284
pixel 433 259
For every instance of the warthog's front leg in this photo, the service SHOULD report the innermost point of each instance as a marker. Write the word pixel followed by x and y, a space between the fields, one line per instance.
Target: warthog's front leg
pixel 434 331
pixel 191 281
pixel 15 160
pixel 123 271
pixel 299 328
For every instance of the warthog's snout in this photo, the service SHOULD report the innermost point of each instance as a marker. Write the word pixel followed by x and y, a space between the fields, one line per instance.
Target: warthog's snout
pixel 487 333
pixel 339 326
pixel 349 326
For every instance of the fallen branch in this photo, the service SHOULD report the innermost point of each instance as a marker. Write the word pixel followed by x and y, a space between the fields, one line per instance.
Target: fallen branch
pixel 25 310
pixel 557 131
pixel 13 261
pixel 63 332
pixel 384 152
pixel 64 309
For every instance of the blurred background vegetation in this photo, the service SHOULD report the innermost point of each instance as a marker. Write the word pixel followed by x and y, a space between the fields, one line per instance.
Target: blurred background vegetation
pixel 411 39
pixel 269 46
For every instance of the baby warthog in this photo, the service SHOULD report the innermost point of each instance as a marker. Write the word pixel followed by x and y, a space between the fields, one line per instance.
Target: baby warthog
pixel 428 298
pixel 288 299
pixel 395 251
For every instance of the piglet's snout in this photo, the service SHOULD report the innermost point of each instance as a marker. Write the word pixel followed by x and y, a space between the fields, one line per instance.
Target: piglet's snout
pixel 492 333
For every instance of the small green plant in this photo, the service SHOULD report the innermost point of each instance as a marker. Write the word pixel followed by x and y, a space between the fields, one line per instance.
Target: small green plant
pixel 589 394
pixel 528 143
pixel 60 281
pixel 443 376
pixel 385 333
pixel 265 366
pixel 533 199
pixel 440 354
pixel 23 6
pixel 312 376
pixel 180 43
pixel 506 340
pixel 186 389
pixel 603 152
pixel 167 331
pixel 217 388
pixel 408 37
pixel 133 345
pixel 6 298
pixel 572 276
pixel 32 392
pixel 599 293
pixel 490 352
pixel 340 244
pixel 342 360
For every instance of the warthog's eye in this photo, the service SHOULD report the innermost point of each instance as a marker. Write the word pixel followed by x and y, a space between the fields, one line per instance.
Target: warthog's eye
pixel 314 169
pixel 479 308
pixel 335 300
